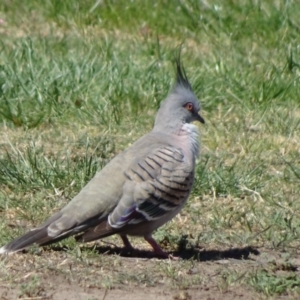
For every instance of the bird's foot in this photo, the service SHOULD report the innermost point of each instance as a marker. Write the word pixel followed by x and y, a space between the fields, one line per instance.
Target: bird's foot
pixel 126 242
pixel 157 249
pixel 128 249
pixel 163 254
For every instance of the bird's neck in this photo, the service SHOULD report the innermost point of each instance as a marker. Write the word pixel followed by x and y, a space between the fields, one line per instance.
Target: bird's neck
pixel 190 134
pixel 185 136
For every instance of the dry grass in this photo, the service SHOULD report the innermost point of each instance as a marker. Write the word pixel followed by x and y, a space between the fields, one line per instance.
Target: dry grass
pixel 79 83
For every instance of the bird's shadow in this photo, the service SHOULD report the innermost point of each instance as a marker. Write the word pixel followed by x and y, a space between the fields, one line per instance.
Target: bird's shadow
pixel 183 252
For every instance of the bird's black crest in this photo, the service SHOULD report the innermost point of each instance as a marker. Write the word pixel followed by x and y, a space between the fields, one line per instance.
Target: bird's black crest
pixel 181 78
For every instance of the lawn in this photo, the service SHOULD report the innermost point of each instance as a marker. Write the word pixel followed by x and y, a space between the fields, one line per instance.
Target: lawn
pixel 80 81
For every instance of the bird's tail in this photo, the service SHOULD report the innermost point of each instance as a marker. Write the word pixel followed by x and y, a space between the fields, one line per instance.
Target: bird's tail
pixel 36 236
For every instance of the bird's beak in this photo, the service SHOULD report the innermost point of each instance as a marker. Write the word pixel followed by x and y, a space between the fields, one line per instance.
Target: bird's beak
pixel 199 118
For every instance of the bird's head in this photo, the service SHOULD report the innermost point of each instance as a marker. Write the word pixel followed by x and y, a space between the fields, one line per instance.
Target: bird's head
pixel 181 106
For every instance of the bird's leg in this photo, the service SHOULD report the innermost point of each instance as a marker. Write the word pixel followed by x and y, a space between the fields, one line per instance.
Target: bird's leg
pixel 127 245
pixel 157 249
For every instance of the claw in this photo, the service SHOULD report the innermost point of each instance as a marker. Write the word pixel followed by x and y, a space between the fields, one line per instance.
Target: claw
pixel 157 249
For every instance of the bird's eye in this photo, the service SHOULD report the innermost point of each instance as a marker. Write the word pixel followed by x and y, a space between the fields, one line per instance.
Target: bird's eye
pixel 189 106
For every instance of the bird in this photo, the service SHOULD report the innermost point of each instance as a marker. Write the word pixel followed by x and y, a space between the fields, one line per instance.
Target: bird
pixel 141 188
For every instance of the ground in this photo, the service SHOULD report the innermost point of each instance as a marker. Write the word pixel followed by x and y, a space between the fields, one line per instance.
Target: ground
pixel 80 81
pixel 198 274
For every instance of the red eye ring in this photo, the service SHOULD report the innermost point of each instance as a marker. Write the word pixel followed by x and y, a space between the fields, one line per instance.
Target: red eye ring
pixel 189 106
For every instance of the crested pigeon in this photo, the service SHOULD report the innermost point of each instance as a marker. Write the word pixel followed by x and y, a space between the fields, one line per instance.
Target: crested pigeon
pixel 141 188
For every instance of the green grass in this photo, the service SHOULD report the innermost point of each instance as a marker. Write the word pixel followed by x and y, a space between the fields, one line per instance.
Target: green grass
pixel 81 80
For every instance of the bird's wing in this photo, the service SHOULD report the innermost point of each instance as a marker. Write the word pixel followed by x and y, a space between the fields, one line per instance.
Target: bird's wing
pixel 155 186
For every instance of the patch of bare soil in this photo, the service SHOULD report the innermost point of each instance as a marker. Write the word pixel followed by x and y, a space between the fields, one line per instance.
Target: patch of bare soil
pixel 59 274
pixel 65 291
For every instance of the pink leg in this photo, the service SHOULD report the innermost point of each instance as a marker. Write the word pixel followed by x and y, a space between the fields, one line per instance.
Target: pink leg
pixel 126 242
pixel 157 250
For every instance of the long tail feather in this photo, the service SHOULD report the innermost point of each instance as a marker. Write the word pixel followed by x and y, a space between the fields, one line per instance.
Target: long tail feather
pixel 42 236
pixel 35 236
